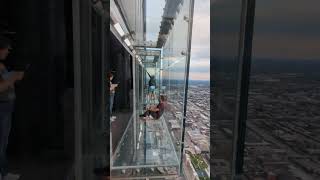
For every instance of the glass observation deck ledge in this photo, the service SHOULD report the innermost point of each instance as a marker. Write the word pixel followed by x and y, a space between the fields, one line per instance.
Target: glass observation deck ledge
pixel 153 147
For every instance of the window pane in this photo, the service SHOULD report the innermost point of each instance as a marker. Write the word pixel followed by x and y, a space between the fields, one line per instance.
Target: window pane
pixel 152 146
pixel 282 140
pixel 225 27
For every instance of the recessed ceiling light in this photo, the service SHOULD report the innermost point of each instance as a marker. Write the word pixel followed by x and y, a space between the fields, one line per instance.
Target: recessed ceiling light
pixel 119 29
pixel 127 42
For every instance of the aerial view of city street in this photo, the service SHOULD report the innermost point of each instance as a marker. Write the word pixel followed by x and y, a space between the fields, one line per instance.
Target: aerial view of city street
pixel 197 132
pixel 282 127
pixel 197 128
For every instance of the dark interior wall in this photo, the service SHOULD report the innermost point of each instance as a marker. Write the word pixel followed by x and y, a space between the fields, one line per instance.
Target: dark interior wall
pixel 121 62
pixel 106 95
pixel 97 70
pixel 43 39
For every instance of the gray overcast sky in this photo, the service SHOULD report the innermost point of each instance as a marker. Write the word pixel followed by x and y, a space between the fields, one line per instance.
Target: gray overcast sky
pixel 287 29
pixel 200 50
pixel 281 32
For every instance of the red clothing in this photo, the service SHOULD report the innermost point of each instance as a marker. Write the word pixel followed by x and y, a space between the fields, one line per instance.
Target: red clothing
pixel 157 114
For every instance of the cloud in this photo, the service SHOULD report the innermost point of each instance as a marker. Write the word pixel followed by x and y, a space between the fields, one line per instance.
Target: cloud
pixel 287 32
pixel 286 29
pixel 200 53
pixel 200 48
pixel 192 76
pixel 286 46
pixel 200 62
pixel 200 76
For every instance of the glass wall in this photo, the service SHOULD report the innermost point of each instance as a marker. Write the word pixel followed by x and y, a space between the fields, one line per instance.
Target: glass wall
pixel 93 141
pixel 174 75
pixel 133 12
pixel 282 139
pixel 152 147
pixel 121 106
pixel 225 36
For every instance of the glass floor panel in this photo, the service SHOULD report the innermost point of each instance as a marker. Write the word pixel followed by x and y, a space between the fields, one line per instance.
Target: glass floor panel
pixel 150 146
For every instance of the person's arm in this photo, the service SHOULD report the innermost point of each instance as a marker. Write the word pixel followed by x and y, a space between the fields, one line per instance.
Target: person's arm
pixel 9 82
pixel 113 87
pixel 154 109
pixel 5 84
pixel 2 67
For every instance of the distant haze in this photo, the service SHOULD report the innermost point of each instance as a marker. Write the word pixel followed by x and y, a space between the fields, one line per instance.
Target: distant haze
pixel 200 50
pixel 287 29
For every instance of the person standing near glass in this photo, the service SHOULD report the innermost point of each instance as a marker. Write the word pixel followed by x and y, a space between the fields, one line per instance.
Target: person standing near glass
pixel 152 87
pixel 112 93
pixel 7 98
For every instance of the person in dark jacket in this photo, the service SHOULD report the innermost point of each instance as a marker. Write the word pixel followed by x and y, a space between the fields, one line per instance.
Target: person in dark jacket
pixel 112 94
pixel 152 87
pixel 7 98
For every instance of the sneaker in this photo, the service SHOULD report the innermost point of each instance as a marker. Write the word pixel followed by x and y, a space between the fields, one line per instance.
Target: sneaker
pixel 11 176
pixel 113 117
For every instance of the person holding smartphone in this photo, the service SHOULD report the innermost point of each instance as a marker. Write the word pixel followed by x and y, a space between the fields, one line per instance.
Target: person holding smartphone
pixel 112 93
pixel 7 98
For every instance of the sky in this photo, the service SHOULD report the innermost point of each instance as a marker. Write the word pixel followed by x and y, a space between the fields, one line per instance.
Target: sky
pixel 154 17
pixel 280 31
pixel 200 45
pixel 287 29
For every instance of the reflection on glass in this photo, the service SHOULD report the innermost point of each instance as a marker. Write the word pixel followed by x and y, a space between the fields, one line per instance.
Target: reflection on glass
pixel 225 26
pixel 94 146
pixel 282 140
pixel 123 103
